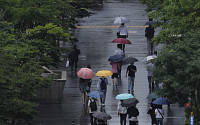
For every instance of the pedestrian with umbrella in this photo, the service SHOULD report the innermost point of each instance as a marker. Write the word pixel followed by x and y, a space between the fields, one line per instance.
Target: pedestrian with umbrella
pixel 92 108
pixel 159 115
pixel 84 74
pixel 102 84
pixel 119 52
pixel 122 33
pixel 122 112
pixel 130 71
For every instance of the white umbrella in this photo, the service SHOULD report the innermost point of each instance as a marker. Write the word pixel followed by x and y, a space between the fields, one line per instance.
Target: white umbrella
pixel 148 58
pixel 119 20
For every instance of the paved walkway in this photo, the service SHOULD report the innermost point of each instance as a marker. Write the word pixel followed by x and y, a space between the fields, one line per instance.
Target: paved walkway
pixel 96 47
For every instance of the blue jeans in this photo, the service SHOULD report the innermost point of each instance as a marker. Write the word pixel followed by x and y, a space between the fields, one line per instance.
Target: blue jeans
pixel 131 83
pixel 159 121
pixel 102 100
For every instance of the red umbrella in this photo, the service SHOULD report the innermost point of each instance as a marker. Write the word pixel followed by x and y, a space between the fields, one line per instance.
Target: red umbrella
pixel 85 73
pixel 121 41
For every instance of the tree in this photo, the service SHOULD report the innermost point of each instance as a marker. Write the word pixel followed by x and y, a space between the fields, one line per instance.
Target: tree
pixel 178 66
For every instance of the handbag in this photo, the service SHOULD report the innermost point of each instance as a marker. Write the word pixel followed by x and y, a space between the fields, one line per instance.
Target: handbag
pixel 67 63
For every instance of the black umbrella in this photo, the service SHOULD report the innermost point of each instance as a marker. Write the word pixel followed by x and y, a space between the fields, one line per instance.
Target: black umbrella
pixel 150 22
pixel 102 116
pixel 129 60
pixel 130 102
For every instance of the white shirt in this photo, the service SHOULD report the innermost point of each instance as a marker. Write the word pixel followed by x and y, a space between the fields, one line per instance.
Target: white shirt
pixel 123 30
pixel 122 110
pixel 158 115
pixel 119 52
pixel 150 67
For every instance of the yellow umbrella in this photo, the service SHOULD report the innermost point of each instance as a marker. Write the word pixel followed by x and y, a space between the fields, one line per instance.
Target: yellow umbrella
pixel 104 73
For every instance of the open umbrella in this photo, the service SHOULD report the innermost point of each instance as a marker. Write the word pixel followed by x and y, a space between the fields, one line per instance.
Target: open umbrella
pixel 96 94
pixel 121 41
pixel 104 73
pixel 102 116
pixel 150 22
pixel 119 20
pixel 148 58
pixel 129 60
pixel 161 101
pixel 129 102
pixel 115 58
pixel 124 96
pixel 153 95
pixel 85 73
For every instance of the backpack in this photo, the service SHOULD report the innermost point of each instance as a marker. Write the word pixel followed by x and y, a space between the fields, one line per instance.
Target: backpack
pixel 93 105
pixel 103 84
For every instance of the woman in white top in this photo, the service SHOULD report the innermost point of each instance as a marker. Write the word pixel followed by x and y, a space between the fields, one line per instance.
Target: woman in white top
pixel 159 115
pixel 122 111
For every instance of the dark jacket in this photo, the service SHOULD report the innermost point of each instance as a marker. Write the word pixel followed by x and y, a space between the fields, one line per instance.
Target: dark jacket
pixel 73 56
pixel 149 32
pixel 132 112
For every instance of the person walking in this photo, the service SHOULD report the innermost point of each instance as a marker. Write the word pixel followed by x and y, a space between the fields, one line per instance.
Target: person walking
pixel 115 73
pixel 82 87
pixel 102 87
pixel 89 81
pixel 150 67
pixel 149 34
pixel 122 112
pixel 92 108
pixel 131 70
pixel 132 114
pixel 73 58
pixel 151 112
pixel 119 52
pixel 122 33
pixel 159 115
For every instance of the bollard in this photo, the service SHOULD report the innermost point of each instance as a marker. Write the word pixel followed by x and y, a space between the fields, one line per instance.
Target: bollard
pixel 72 122
pixel 191 119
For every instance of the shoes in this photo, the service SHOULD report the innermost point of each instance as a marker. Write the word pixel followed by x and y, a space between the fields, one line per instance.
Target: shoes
pixel 103 105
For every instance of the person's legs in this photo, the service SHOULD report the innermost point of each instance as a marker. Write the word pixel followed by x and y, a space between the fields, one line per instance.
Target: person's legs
pixel 113 80
pixel 103 99
pixel 129 83
pixel 123 119
pixel 151 48
pixel 72 65
pixel 83 97
pixel 149 80
pixel 132 83
pixel 75 65
pixel 148 45
pixel 91 119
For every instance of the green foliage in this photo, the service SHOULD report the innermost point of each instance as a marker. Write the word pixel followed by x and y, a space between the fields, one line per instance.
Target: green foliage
pixel 178 66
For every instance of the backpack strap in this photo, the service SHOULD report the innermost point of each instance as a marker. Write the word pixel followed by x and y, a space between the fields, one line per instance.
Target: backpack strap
pixel 160 113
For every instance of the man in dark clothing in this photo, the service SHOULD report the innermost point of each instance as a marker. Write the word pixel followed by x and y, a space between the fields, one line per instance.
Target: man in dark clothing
pixel 132 114
pixel 149 34
pixel 73 58
pixel 131 69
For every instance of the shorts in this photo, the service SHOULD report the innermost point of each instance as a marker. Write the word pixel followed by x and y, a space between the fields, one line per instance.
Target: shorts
pixel 115 75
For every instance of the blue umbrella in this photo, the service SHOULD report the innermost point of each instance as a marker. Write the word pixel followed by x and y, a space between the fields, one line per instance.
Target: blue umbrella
pixel 124 96
pixel 161 101
pixel 96 94
pixel 115 58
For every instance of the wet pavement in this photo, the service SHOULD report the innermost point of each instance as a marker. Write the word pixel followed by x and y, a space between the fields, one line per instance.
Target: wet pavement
pixel 96 46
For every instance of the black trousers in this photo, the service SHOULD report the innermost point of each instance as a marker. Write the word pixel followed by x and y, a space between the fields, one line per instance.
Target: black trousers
pixel 123 118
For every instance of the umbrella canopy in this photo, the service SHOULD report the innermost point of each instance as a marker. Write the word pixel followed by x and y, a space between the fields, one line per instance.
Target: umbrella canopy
pixel 148 58
pixel 129 60
pixel 161 101
pixel 124 96
pixel 121 41
pixel 153 95
pixel 85 73
pixel 119 20
pixel 96 94
pixel 104 73
pixel 115 58
pixel 130 102
pixel 102 116
pixel 150 22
